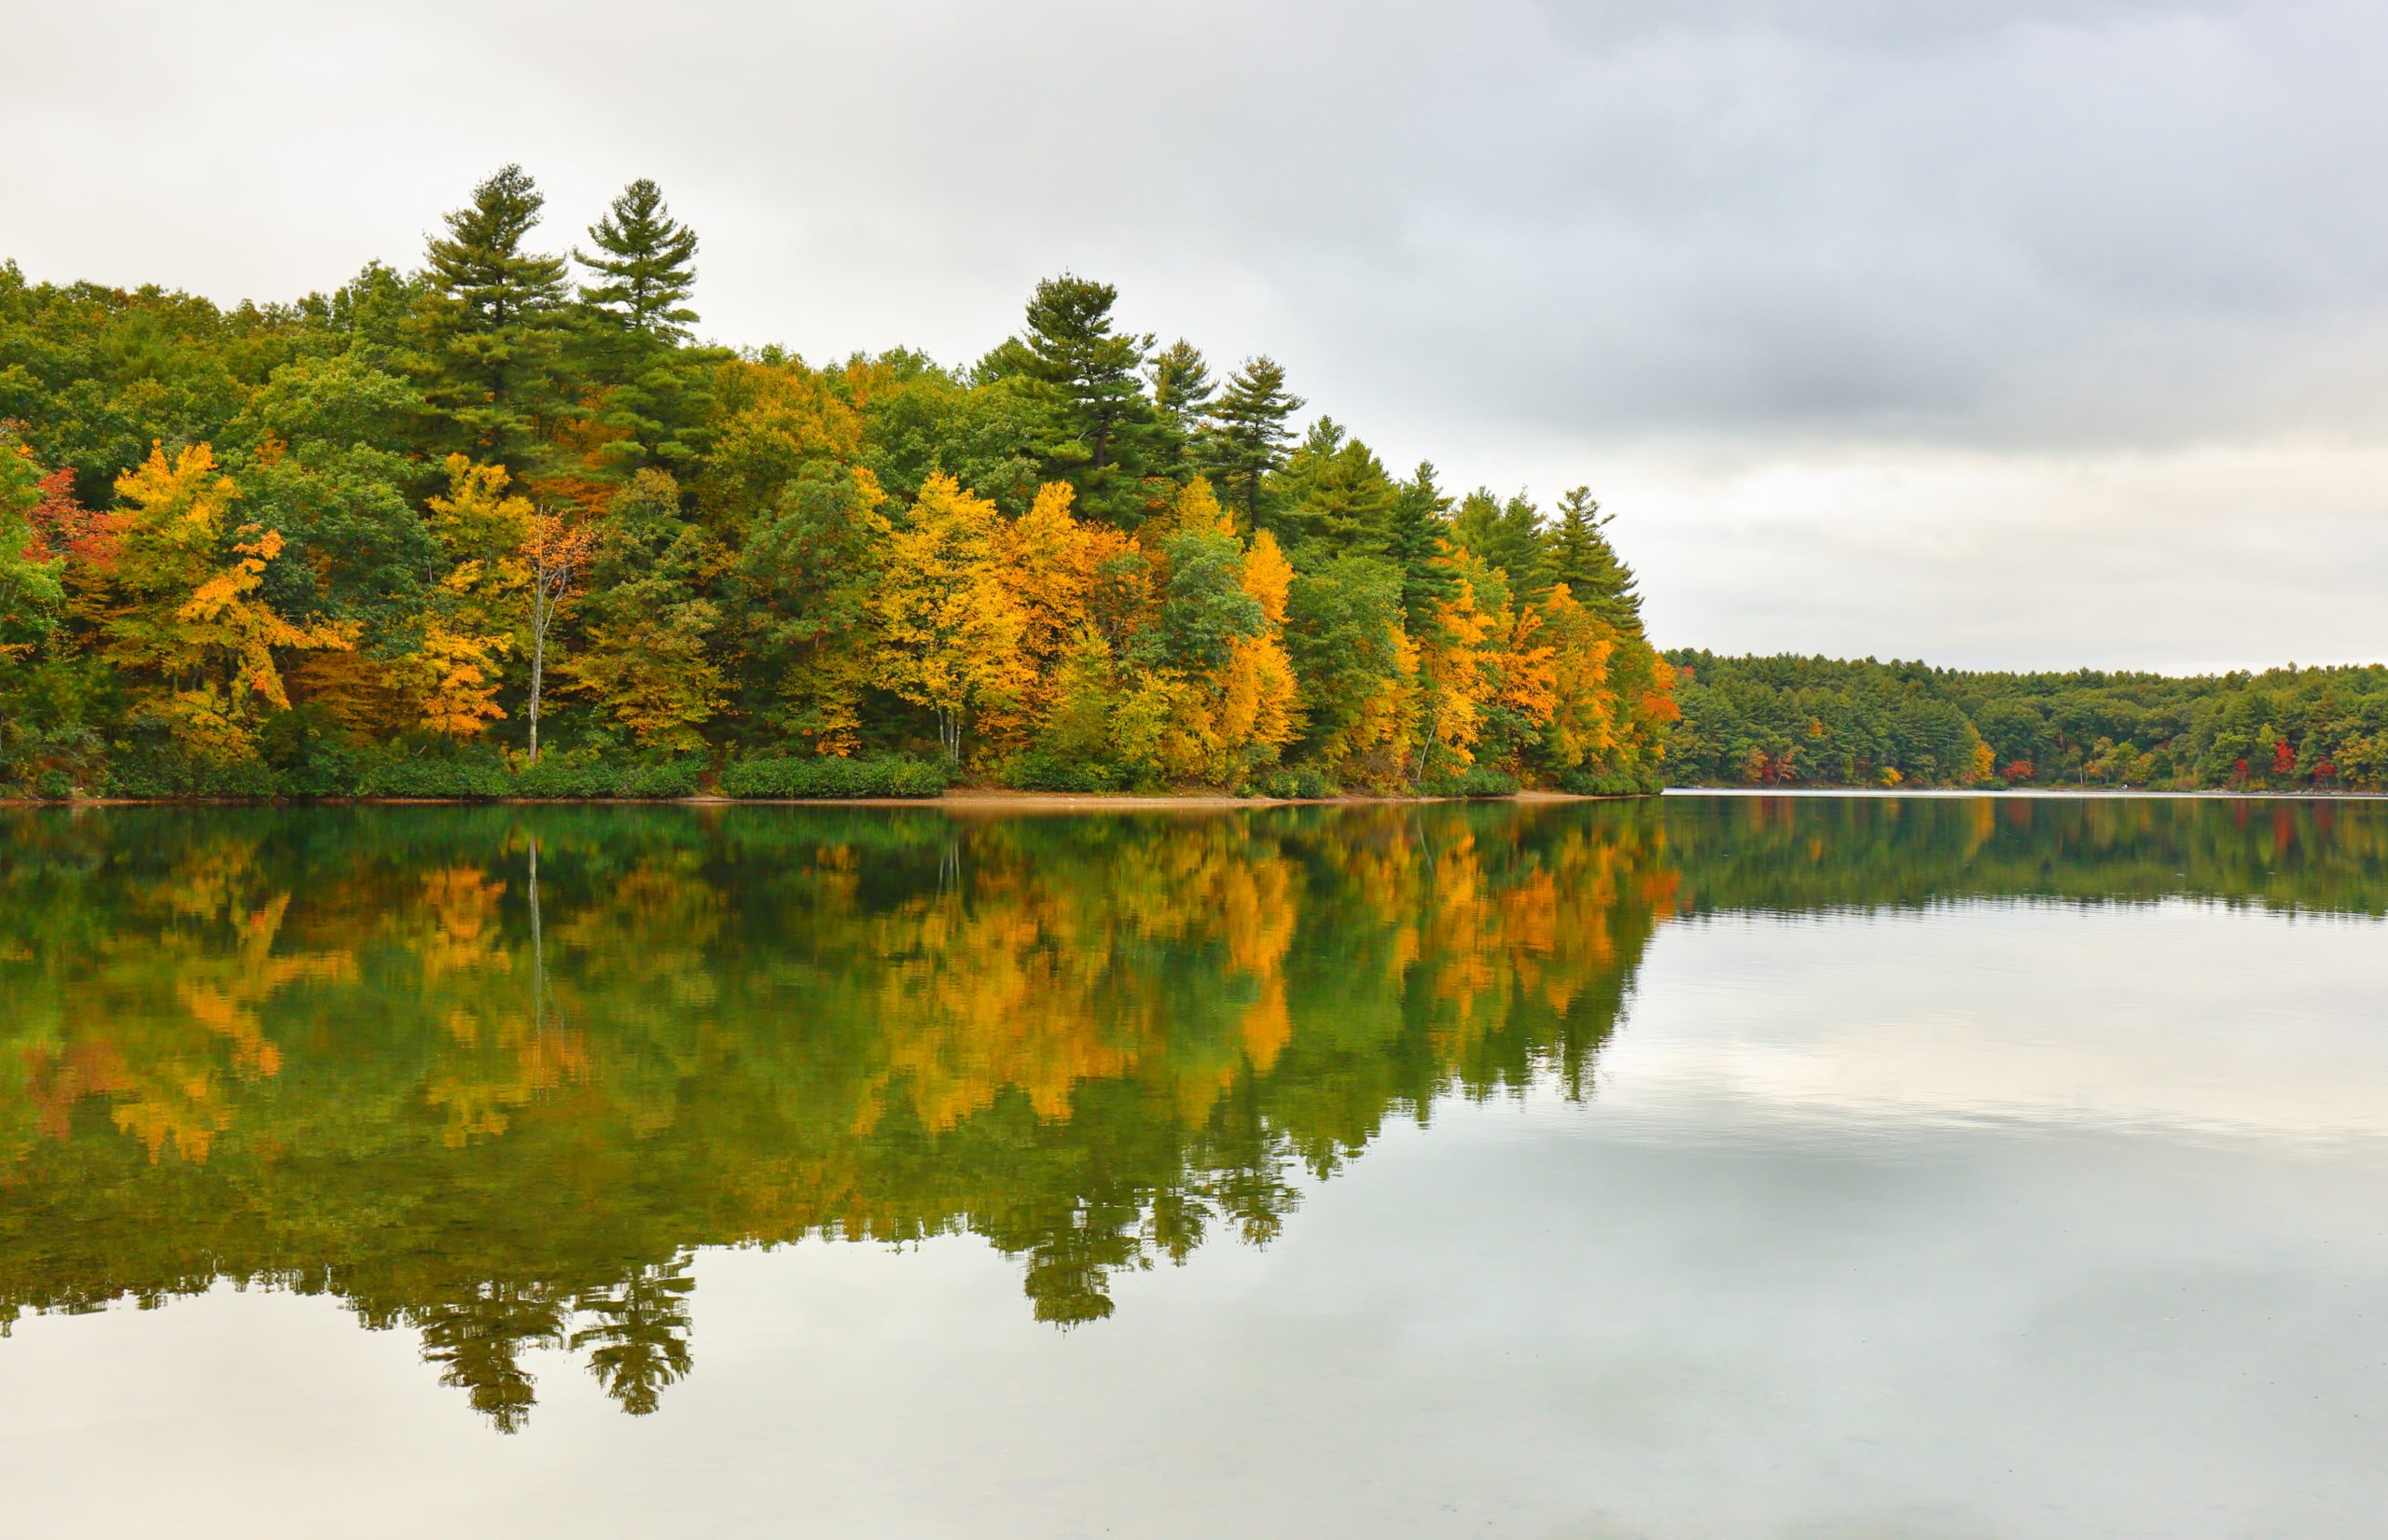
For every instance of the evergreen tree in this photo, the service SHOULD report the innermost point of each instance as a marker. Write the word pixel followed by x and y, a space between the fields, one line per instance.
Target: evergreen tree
pixel 1091 378
pixel 1579 555
pixel 1507 534
pixel 1333 496
pixel 644 257
pixel 1182 392
pixel 655 393
pixel 1418 527
pixel 1248 436
pixel 498 331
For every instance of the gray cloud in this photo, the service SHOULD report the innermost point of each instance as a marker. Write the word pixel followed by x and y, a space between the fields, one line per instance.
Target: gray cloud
pixel 1594 234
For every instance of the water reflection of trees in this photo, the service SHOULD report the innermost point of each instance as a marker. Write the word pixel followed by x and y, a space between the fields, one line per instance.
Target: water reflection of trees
pixel 365 1054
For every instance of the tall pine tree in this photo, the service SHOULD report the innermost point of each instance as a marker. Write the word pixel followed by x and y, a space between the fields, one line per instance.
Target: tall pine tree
pixel 1182 392
pixel 1416 530
pixel 1507 534
pixel 1248 435
pixel 1333 498
pixel 1579 555
pixel 655 387
pixel 645 261
pixel 1091 377
pixel 497 324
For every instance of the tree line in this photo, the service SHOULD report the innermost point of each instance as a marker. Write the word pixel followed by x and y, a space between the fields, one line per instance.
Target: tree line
pixel 504 506
pixel 1816 721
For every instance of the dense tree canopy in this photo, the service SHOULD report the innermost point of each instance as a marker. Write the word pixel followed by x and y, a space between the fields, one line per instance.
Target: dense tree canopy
pixel 460 514
pixel 1814 721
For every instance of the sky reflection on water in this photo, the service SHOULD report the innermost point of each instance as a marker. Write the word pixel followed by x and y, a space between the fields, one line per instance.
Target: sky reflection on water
pixel 1995 1193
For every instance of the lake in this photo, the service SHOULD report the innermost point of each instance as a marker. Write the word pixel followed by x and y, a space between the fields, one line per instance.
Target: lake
pixel 1708 1166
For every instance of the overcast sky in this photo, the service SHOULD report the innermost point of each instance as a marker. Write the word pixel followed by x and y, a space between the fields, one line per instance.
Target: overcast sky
pixel 2001 334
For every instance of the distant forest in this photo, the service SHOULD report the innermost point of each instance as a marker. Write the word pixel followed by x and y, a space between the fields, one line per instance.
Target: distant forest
pixel 1814 721
pixel 498 523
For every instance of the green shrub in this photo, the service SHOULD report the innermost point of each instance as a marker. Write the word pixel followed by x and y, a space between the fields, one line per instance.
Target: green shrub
pixel 309 755
pixel 435 777
pixel 1299 784
pixel 1474 781
pixel 54 784
pixel 1583 782
pixel 894 775
pixel 1039 770
pixel 150 774
pixel 577 775
pixel 664 778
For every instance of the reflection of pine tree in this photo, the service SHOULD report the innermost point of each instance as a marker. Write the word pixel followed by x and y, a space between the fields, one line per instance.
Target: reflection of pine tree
pixel 1069 1271
pixel 476 1339
pixel 641 1341
pixel 1177 1223
pixel 1243 1163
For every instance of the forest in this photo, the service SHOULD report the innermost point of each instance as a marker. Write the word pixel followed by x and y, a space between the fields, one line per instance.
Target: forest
pixel 1791 721
pixel 500 523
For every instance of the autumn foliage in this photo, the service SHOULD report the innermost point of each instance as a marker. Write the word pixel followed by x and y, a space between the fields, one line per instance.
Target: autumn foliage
pixel 464 515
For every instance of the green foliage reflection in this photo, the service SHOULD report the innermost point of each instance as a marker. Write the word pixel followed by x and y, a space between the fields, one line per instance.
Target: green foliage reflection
pixel 489 1074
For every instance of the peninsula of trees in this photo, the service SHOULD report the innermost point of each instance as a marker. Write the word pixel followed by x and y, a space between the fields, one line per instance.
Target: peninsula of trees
pixel 500 523
pixel 1793 721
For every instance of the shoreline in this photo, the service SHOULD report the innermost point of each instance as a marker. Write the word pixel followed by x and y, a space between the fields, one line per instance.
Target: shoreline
pixel 968 799
pixel 989 801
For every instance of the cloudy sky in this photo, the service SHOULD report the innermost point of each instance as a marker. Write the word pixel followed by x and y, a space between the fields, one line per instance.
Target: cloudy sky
pixel 2029 333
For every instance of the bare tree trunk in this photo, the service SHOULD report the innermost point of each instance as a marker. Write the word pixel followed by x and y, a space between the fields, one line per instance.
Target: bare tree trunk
pixel 538 671
pixel 554 553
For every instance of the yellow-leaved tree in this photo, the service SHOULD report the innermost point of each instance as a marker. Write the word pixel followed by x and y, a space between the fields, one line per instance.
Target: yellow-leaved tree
pixel 1254 713
pixel 950 628
pixel 1050 564
pixel 188 627
pixel 454 671
pixel 1581 725
pixel 1459 661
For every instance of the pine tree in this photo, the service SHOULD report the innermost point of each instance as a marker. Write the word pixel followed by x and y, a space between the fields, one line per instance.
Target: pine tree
pixel 1507 534
pixel 1182 392
pixel 1579 555
pixel 657 393
pixel 1091 378
pixel 1333 496
pixel 644 258
pixel 499 328
pixel 1248 436
pixel 1418 527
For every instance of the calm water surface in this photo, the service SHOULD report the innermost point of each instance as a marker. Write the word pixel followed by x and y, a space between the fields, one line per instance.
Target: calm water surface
pixel 1717 1166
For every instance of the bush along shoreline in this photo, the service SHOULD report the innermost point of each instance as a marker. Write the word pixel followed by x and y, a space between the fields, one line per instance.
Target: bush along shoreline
pixel 571 777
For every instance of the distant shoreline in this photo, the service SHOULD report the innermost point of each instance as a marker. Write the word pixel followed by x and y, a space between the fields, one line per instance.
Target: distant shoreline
pixel 991 800
pixel 2075 793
